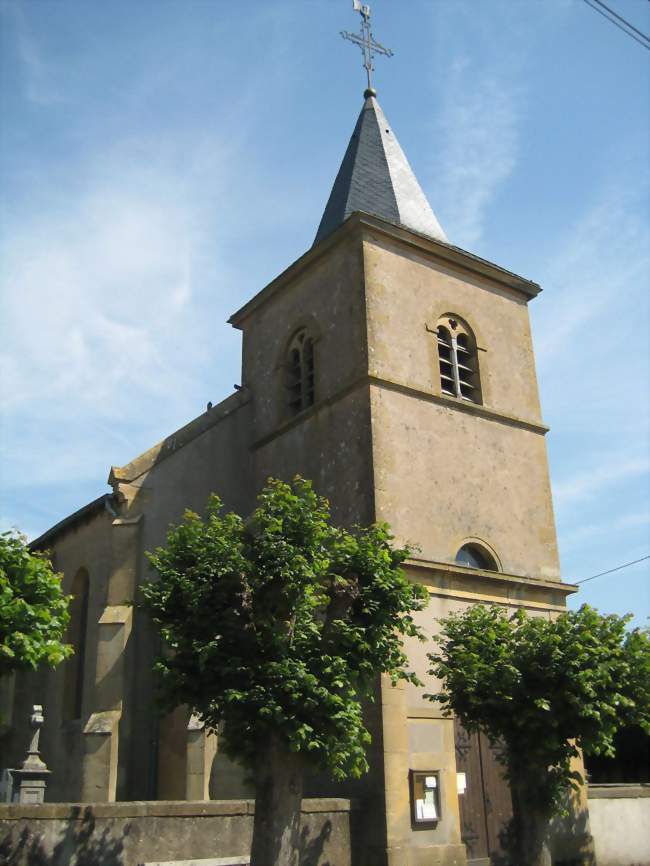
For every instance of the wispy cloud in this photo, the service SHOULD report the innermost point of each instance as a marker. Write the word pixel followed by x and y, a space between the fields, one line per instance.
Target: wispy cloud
pixel 591 329
pixel 603 256
pixel 104 342
pixel 478 136
pixel 38 76
pixel 575 538
pixel 584 484
pixel 121 241
pixel 90 298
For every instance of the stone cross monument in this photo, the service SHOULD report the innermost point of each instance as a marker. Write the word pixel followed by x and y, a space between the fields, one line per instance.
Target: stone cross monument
pixel 31 779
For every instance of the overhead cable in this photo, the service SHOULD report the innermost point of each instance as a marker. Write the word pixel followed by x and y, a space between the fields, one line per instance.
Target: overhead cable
pixel 621 23
pixel 612 570
pixel 620 18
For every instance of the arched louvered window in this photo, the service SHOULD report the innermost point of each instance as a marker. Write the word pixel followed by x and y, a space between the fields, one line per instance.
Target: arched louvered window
pixel 300 372
pixel 458 361
pixel 77 627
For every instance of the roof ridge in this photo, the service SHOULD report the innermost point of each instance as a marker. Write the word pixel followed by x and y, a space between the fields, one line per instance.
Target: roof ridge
pixel 414 209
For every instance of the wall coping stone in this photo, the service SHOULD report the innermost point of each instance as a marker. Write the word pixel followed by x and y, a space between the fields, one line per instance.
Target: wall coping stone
pixel 84 514
pixel 618 791
pixel 168 446
pixel 158 809
pixel 210 861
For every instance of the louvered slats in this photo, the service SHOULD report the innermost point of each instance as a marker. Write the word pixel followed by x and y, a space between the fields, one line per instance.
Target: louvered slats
pixel 458 366
pixel 300 374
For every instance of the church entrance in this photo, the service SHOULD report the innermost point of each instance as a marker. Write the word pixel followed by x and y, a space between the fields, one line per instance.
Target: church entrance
pixel 485 805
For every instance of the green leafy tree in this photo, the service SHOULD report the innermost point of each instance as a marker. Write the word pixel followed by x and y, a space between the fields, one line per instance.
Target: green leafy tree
pixel 33 608
pixel 544 689
pixel 276 629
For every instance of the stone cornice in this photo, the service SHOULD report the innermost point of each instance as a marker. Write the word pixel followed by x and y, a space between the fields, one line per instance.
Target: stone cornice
pixel 461 405
pixel 450 255
pixel 369 379
pixel 289 274
pixel 308 413
pixel 495 586
pixel 457 257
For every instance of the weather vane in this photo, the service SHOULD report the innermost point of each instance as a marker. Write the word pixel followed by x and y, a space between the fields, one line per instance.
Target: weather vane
pixel 366 43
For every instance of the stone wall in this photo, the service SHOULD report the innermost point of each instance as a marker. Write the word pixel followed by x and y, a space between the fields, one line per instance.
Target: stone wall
pixel 128 834
pixel 619 816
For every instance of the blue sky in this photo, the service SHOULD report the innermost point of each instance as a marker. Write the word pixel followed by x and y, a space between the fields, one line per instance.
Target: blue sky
pixel 162 160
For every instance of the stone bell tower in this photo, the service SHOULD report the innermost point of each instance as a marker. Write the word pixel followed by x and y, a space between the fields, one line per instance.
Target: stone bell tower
pixel 397 371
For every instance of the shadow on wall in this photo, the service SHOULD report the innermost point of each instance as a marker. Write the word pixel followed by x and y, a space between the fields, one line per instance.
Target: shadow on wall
pixel 311 850
pixel 79 844
pixel 571 842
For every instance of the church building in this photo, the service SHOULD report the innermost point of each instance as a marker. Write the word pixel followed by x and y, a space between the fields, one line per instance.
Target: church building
pixel 397 372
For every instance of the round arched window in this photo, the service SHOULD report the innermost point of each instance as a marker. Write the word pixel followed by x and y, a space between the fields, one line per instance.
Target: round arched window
pixel 299 372
pixel 474 556
pixel 458 360
pixel 76 635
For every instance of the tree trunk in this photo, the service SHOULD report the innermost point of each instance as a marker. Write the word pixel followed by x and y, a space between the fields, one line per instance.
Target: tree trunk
pixel 278 798
pixel 530 820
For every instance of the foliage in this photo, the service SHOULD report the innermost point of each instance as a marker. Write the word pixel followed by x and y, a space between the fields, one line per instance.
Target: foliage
pixel 278 626
pixel 544 687
pixel 33 608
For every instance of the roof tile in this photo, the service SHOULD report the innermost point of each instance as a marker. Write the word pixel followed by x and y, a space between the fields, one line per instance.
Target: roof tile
pixel 376 178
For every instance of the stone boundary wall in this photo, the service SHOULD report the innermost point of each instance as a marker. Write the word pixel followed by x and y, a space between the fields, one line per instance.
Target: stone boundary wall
pixel 619 816
pixel 132 833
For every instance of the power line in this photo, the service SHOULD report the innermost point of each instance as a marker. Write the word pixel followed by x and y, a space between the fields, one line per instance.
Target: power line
pixel 644 40
pixel 611 570
pixel 627 29
pixel 620 18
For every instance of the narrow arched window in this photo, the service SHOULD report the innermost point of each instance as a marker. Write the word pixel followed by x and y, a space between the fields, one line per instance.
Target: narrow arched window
pixel 475 556
pixel 76 636
pixel 300 373
pixel 458 361
pixel 445 357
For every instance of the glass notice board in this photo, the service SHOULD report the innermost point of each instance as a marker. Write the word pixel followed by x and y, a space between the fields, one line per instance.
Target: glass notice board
pixel 425 796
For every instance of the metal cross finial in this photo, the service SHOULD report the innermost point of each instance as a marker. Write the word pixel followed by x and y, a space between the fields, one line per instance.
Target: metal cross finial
pixel 366 43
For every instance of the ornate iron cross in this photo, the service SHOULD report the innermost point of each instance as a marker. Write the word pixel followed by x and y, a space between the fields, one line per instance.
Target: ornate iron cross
pixel 366 43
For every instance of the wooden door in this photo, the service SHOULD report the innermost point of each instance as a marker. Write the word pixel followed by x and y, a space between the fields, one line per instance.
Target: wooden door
pixel 486 805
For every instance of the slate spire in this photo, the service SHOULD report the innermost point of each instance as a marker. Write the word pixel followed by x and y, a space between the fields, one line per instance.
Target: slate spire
pixel 376 178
